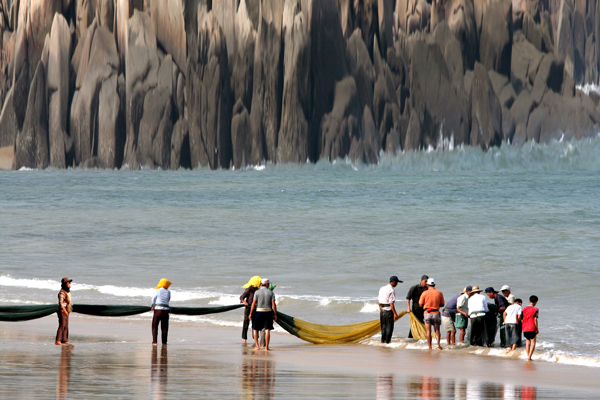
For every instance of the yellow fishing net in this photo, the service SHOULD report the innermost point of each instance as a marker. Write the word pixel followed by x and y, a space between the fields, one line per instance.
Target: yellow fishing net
pixel 354 333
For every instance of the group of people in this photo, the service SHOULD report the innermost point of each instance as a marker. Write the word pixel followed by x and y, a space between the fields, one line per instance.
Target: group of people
pixel 467 309
pixel 258 298
pixel 475 315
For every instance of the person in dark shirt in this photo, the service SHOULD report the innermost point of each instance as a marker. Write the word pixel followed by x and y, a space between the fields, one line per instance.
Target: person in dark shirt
pixel 449 319
pixel 496 307
pixel 414 294
pixel 246 298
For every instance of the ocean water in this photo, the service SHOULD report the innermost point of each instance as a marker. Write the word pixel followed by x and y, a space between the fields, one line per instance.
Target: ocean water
pixel 327 234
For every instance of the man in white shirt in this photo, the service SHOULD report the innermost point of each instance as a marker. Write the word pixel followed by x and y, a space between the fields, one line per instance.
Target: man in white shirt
pixel 477 308
pixel 387 311
pixel 512 320
pixel 462 313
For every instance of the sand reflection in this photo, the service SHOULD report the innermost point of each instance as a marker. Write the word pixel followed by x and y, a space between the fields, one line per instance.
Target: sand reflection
pixel 64 374
pixel 158 374
pixel 258 378
pixel 385 387
pixel 423 387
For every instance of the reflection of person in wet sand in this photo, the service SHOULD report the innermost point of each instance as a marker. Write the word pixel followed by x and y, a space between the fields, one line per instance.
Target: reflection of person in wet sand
pixel 64 374
pixel 385 387
pixel 258 379
pixel 158 374
pixel 424 387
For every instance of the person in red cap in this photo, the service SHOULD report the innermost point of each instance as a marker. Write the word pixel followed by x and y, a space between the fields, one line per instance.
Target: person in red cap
pixel 62 311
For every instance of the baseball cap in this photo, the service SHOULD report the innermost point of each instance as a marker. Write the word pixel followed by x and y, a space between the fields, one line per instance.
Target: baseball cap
pixel 430 282
pixel 490 290
pixel 394 278
pixel 65 280
pixel 505 287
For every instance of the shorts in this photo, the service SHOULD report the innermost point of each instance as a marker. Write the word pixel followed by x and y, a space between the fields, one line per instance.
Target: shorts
pixel 433 319
pixel 262 320
pixel 461 322
pixel 530 335
pixel 512 334
pixel 448 324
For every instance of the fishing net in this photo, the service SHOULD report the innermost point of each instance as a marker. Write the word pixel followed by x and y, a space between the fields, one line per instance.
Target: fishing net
pixel 307 331
pixel 26 313
pixel 354 333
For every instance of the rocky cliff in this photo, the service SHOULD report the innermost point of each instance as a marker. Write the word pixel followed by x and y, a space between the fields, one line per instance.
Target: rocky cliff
pixel 228 83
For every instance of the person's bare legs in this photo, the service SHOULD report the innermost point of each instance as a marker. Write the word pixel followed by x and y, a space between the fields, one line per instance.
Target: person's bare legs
pixel 428 330
pixel 438 335
pixel 463 332
pixel 530 347
pixel 451 338
pixel 267 339
pixel 255 336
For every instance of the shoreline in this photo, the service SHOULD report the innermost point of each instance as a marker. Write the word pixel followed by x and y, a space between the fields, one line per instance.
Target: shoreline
pixel 221 351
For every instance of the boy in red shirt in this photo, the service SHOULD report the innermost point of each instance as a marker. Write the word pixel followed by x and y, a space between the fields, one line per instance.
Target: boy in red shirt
pixel 530 325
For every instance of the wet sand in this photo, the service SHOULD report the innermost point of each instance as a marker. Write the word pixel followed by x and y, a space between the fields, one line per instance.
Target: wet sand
pixel 6 158
pixel 113 358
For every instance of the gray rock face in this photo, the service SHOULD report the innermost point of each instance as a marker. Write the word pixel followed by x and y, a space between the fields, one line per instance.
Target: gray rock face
pixel 180 145
pixel 156 128
pixel 385 10
pixel 58 89
pixel 495 43
pixel 167 17
pixel 141 76
pixel 564 36
pixel 342 124
pixel 328 65
pixel 460 16
pixel 90 116
pixel 21 79
pixel 209 98
pixel 293 134
pixel 8 122
pixel 85 16
pixel 31 145
pixel 245 149
pixel 441 106
pixel 366 19
pixel 111 136
pixel 361 68
pixel 575 118
pixel 243 60
pixel 486 112
pixel 268 70
pixel 365 148
pixel 105 10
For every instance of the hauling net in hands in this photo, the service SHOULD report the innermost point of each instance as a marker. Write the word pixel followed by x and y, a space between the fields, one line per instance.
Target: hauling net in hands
pixel 26 313
pixel 354 333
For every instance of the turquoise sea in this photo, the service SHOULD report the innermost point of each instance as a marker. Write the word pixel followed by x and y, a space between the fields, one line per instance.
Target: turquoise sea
pixel 328 234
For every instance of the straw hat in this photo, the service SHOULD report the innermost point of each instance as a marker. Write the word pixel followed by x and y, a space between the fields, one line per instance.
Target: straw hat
pixel 476 289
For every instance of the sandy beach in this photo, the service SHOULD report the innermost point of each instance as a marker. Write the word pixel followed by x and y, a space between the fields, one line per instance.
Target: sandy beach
pixel 6 158
pixel 113 358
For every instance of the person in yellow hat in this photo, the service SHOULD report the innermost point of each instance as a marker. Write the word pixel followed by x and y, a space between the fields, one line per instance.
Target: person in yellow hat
pixel 246 298
pixel 160 305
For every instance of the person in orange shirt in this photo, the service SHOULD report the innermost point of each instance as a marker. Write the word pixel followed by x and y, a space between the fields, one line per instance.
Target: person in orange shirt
pixel 432 300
